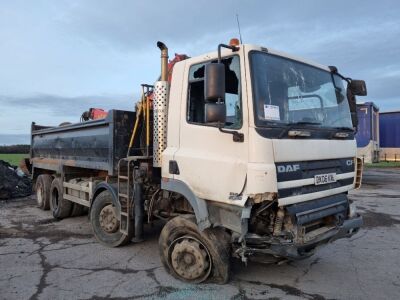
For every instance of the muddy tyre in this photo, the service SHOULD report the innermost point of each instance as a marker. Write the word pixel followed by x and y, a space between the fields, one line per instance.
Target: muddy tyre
pixel 194 256
pixel 77 210
pixel 42 188
pixel 60 207
pixel 105 223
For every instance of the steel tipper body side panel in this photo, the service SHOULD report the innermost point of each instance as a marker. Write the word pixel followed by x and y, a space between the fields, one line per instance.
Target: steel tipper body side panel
pixel 96 145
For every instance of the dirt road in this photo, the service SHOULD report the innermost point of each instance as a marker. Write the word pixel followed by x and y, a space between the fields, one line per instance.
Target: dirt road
pixel 41 258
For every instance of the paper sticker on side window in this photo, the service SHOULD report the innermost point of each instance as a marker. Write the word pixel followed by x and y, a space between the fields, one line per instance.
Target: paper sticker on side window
pixel 271 112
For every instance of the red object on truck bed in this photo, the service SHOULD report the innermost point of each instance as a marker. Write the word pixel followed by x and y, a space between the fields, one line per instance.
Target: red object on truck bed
pixel 97 113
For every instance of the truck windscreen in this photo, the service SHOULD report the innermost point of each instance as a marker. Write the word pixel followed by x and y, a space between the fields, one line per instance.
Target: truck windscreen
pixel 290 92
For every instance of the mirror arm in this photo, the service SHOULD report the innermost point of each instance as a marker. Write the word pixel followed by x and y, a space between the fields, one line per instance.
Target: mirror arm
pixel 334 70
pixel 237 136
pixel 233 48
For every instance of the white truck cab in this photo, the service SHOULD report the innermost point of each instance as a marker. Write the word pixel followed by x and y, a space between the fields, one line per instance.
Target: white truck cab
pixel 275 167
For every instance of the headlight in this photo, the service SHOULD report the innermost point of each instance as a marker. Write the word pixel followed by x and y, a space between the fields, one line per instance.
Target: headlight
pixel 352 210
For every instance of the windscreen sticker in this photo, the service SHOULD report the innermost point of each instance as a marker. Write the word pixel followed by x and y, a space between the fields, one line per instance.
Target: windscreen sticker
pixel 271 112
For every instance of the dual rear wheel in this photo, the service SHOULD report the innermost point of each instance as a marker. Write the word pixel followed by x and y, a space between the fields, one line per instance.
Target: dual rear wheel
pixel 60 207
pixel 42 187
pixel 49 195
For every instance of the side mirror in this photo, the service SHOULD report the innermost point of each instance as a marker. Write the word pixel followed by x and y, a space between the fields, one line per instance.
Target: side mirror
pixel 358 87
pixel 214 81
pixel 353 107
pixel 215 113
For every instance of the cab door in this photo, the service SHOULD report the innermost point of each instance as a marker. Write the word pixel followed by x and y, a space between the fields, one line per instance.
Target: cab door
pixel 210 162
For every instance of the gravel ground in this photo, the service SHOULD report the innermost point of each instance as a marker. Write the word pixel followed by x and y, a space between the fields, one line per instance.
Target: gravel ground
pixel 41 258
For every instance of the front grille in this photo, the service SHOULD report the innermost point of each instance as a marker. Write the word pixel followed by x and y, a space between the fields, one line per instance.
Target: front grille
pixel 309 211
pixel 283 193
pixel 289 171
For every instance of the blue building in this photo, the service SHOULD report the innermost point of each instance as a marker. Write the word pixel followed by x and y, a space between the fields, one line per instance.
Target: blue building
pixel 389 130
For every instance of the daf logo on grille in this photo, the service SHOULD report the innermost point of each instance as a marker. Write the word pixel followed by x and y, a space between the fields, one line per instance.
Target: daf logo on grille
pixel 288 168
pixel 349 162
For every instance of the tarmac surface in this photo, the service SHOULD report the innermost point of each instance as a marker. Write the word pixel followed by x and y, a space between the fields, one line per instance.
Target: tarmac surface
pixel 41 258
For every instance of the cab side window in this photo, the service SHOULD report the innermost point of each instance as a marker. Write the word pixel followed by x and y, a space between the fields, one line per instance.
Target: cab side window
pixel 196 101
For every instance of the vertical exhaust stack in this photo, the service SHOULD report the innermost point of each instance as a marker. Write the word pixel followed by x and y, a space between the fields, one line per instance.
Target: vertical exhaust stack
pixel 164 61
pixel 160 108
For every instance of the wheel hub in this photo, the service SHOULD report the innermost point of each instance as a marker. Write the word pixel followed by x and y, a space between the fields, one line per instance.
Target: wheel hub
pixel 190 259
pixel 108 219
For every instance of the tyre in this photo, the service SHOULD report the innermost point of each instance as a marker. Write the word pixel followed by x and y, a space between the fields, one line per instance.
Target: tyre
pixel 60 207
pixel 77 210
pixel 42 188
pixel 194 256
pixel 105 223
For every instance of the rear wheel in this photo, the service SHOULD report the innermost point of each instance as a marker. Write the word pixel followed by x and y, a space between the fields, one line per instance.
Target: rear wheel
pixel 77 210
pixel 194 256
pixel 105 222
pixel 42 187
pixel 60 207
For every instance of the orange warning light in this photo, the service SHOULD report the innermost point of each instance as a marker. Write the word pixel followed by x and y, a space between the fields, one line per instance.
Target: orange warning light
pixel 234 42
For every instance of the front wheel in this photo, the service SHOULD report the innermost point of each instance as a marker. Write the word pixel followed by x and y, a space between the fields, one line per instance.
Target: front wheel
pixel 105 222
pixel 194 256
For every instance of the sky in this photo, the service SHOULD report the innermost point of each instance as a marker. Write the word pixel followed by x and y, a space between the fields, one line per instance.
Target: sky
pixel 59 58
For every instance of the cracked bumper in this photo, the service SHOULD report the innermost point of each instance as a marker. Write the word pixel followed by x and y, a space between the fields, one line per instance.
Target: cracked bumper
pixel 257 245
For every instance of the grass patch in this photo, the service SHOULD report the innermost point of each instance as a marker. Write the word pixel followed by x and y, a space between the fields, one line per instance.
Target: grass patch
pixel 384 164
pixel 13 159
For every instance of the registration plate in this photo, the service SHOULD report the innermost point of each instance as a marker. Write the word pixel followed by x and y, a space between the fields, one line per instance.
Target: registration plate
pixel 325 178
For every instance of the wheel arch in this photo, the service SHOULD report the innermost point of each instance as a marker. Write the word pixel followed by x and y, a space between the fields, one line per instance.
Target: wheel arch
pixel 111 188
pixel 199 205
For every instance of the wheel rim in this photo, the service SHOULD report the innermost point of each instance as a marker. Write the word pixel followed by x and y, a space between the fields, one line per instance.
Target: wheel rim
pixel 108 219
pixel 190 259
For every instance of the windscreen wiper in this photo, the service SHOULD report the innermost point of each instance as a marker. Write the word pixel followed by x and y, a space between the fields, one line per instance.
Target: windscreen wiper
pixel 305 123
pixel 343 128
pixel 293 125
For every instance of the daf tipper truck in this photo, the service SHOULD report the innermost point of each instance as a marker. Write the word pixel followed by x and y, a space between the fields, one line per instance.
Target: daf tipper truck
pixel 244 152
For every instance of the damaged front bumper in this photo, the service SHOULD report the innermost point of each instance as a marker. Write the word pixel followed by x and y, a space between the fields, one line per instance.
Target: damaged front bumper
pixel 256 245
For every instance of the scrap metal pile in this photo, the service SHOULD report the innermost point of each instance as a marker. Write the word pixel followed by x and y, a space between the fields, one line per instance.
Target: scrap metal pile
pixel 14 183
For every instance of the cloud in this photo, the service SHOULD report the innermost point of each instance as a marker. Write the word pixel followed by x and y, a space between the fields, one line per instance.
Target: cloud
pixel 68 106
pixel 55 54
pixel 134 25
pixel 19 112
